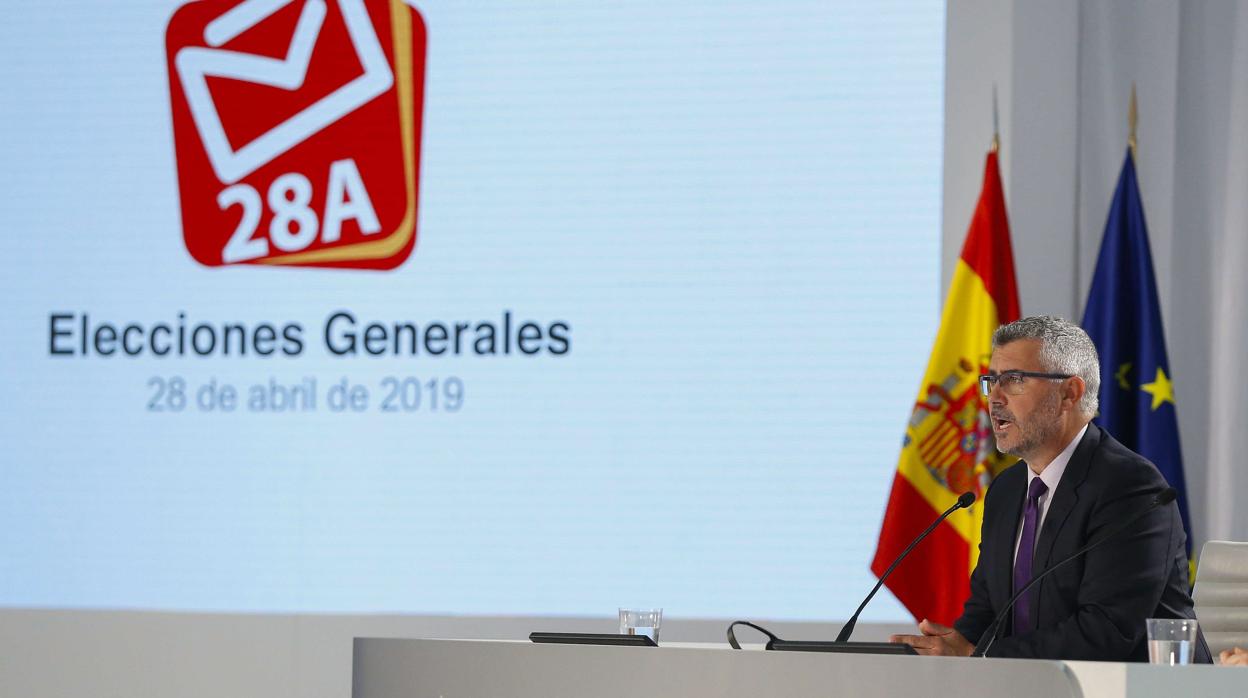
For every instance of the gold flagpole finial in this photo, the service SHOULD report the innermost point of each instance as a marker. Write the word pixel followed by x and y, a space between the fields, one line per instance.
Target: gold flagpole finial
pixel 1133 118
pixel 996 124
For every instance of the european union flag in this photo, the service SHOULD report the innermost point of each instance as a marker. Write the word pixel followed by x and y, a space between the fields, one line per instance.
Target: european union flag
pixel 1124 320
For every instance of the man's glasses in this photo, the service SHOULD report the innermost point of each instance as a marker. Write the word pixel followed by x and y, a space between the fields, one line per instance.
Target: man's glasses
pixel 1014 382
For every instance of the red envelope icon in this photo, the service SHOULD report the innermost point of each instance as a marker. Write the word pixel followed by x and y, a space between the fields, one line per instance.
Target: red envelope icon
pixel 297 130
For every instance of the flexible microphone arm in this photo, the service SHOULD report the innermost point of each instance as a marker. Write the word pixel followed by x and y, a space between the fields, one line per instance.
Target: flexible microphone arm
pixel 1161 499
pixel 967 499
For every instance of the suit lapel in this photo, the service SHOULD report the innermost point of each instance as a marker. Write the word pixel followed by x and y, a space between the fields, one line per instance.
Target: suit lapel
pixel 1064 500
pixel 1014 487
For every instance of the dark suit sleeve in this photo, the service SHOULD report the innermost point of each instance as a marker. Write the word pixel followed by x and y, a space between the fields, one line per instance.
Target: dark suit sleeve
pixel 1122 581
pixel 977 613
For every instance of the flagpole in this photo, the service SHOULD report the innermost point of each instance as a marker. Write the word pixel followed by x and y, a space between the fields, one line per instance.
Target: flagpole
pixel 1133 118
pixel 996 122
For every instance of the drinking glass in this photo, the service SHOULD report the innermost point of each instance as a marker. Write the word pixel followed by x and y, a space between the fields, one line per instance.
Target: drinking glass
pixel 641 621
pixel 1171 640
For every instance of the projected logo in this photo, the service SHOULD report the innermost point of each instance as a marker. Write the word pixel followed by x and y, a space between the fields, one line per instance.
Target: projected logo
pixel 297 130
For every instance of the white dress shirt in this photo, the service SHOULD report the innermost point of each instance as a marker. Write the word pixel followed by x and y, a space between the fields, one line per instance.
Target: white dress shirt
pixel 1051 475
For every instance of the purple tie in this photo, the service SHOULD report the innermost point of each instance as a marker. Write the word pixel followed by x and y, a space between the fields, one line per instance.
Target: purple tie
pixel 1026 549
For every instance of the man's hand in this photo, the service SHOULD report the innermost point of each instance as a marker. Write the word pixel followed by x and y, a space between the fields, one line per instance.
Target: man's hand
pixel 939 640
pixel 1236 656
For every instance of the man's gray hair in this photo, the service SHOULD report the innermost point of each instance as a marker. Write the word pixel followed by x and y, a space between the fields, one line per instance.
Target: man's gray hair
pixel 1064 348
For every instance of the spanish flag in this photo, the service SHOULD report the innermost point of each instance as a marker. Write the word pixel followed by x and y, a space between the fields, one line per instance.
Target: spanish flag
pixel 948 448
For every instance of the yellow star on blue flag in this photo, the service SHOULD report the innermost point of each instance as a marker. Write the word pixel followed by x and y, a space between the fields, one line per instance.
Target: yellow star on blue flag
pixel 1121 376
pixel 1161 389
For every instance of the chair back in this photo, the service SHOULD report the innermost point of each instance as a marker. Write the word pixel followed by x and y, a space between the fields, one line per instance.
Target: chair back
pixel 1221 594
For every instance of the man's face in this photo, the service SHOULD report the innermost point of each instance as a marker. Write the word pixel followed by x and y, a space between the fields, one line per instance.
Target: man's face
pixel 1024 423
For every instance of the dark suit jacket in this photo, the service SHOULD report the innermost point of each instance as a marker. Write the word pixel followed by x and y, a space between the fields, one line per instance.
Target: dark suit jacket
pixel 1095 606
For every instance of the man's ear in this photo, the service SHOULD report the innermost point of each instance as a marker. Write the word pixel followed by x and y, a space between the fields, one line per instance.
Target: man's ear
pixel 1073 390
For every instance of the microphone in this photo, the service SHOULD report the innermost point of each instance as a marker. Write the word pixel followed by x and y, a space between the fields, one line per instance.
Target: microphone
pixel 842 644
pixel 1159 500
pixel 967 499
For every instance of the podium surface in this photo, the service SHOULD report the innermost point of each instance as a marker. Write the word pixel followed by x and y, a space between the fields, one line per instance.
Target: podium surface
pixel 396 668
pixel 403 668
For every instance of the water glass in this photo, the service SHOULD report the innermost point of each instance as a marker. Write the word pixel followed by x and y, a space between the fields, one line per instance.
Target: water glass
pixel 641 621
pixel 1171 640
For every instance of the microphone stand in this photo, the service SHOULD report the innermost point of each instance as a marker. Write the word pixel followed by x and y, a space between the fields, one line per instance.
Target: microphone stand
pixel 967 499
pixel 842 643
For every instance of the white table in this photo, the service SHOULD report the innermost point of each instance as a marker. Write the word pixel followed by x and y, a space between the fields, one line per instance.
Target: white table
pixel 411 668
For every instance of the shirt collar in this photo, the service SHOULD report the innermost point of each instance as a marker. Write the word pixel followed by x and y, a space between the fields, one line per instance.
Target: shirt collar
pixel 1053 472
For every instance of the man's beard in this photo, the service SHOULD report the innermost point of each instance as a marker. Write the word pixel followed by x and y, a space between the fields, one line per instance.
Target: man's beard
pixel 1043 424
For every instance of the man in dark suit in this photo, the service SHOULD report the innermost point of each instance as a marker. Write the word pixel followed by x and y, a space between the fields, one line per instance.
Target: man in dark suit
pixel 1073 484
